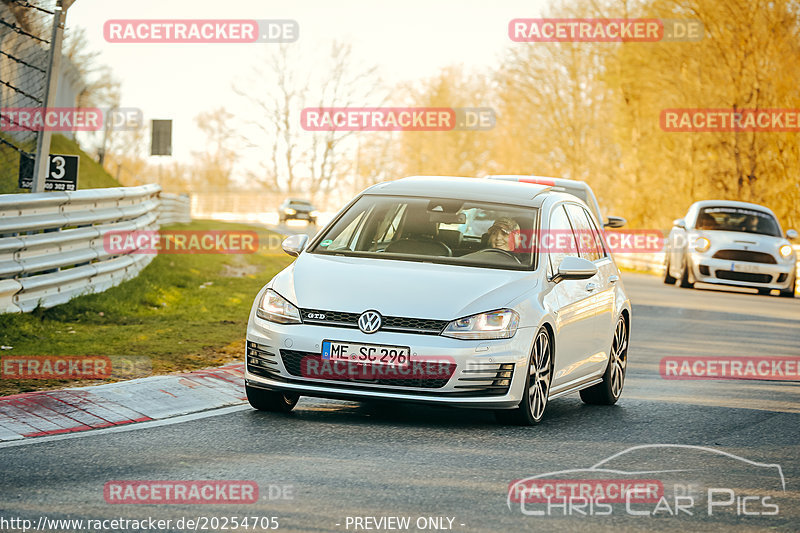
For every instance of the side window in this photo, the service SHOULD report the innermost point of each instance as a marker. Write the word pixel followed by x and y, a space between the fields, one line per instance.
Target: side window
pixel 598 236
pixel 559 239
pixel 584 232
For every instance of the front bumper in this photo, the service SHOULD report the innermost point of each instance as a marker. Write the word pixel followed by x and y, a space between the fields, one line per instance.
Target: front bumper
pixel 741 274
pixel 298 216
pixel 476 376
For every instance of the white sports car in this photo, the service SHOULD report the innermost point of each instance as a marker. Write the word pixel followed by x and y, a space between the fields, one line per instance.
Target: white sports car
pixel 731 243
pixel 395 300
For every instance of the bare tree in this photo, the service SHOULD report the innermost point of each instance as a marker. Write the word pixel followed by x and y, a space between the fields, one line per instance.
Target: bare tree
pixel 295 158
pixel 214 165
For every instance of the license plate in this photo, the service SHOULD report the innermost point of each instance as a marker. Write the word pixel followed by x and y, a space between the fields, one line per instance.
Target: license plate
pixel 745 267
pixel 374 354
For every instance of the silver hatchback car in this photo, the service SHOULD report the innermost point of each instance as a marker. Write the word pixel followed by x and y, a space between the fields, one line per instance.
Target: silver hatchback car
pixel 731 243
pixel 400 298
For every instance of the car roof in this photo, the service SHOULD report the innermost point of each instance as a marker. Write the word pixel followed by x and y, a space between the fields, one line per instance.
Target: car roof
pixel 573 187
pixel 462 188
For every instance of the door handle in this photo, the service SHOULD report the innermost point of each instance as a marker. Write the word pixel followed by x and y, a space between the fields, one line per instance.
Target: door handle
pixel 613 278
pixel 591 286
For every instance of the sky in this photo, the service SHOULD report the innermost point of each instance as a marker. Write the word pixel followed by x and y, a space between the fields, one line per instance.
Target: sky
pixel 407 39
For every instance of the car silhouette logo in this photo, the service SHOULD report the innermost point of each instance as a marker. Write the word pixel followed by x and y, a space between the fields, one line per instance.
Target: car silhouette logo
pixel 369 321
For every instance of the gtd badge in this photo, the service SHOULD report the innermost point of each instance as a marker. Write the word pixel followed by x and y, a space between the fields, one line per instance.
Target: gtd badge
pixel 369 321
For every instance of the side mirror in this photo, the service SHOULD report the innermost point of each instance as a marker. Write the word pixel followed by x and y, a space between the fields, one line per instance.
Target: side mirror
pixel 791 234
pixel 679 223
pixel 614 222
pixel 295 244
pixel 575 268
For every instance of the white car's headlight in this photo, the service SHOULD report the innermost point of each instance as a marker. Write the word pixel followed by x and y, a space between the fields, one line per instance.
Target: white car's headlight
pixel 785 251
pixel 290 211
pixel 702 244
pixel 500 324
pixel 314 214
pixel 276 308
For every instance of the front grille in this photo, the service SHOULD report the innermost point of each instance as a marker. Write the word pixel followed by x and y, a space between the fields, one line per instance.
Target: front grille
pixel 744 276
pixel 424 326
pixel 261 361
pixel 486 378
pixel 293 361
pixel 745 256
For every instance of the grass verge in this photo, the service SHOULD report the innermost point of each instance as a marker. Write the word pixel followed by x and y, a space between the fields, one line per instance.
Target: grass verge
pixel 184 312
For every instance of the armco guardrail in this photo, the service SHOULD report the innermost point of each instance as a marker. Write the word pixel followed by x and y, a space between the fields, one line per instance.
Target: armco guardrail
pixel 654 263
pixel 175 208
pixel 51 244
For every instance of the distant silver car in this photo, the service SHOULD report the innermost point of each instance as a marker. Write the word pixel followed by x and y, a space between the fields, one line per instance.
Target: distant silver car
pixel 394 300
pixel 731 243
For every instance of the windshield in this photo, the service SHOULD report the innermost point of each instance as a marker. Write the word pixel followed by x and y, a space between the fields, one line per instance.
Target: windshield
pixel 737 219
pixel 458 232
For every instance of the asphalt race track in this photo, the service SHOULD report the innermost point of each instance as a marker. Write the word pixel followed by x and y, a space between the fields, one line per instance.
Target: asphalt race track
pixel 331 462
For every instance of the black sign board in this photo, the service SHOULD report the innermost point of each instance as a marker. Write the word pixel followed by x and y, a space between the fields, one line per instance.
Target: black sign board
pixel 161 137
pixel 61 176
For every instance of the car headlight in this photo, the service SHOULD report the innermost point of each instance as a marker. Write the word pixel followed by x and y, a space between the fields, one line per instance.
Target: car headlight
pixel 276 308
pixel 702 244
pixel 500 324
pixel 290 211
pixel 785 251
pixel 314 214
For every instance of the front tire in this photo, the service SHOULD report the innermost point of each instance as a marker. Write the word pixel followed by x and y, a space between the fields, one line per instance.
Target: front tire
pixel 686 276
pixel 531 409
pixel 789 292
pixel 610 389
pixel 669 280
pixel 273 401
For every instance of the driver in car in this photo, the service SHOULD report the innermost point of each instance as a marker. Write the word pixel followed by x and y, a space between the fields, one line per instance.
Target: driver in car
pixel 501 234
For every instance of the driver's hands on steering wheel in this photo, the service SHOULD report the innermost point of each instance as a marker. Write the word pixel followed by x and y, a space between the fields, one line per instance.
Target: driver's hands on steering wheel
pixel 503 252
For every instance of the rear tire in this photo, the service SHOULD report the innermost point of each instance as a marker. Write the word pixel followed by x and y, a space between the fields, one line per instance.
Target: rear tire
pixel 686 280
pixel 609 391
pixel 531 409
pixel 669 280
pixel 273 401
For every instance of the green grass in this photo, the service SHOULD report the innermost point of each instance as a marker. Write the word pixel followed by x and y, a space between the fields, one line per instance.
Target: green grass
pixel 184 311
pixel 90 174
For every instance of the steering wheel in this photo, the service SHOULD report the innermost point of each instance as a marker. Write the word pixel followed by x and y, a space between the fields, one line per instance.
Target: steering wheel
pixel 503 252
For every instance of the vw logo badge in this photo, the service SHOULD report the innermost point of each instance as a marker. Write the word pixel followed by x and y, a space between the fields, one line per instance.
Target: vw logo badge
pixel 369 321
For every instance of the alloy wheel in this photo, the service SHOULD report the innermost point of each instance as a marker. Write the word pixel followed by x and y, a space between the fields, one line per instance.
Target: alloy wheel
pixel 619 358
pixel 540 375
